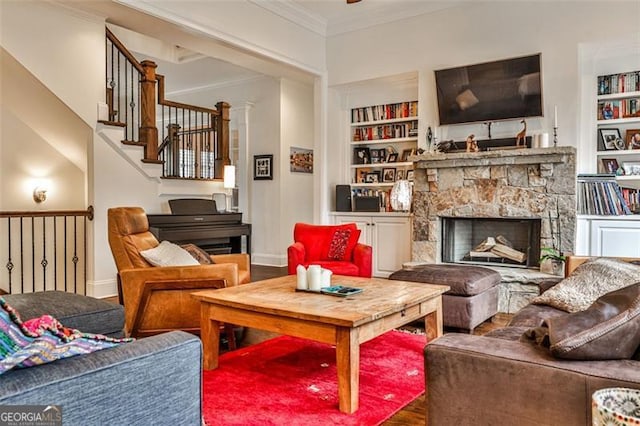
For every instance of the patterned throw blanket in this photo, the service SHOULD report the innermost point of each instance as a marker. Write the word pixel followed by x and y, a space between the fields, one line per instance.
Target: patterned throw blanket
pixel 41 340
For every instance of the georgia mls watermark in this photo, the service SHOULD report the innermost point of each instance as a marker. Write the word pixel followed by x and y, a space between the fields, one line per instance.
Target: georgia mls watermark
pixel 30 415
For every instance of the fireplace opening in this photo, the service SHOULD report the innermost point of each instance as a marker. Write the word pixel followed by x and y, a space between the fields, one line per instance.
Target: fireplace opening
pixel 495 241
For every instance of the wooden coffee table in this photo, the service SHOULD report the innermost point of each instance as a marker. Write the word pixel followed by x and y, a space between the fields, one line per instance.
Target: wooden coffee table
pixel 345 322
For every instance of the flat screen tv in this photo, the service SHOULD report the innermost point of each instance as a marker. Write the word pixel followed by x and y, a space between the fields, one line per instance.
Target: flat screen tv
pixel 491 91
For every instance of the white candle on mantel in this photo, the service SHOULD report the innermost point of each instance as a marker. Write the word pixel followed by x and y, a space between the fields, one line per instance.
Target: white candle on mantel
pixel 555 116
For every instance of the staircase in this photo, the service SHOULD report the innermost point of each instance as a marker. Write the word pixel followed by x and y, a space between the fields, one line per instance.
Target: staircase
pixel 192 142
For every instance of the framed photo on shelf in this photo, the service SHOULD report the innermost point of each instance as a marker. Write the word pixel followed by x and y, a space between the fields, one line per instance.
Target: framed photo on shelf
pixel 388 175
pixel 399 174
pixel 410 175
pixel 361 175
pixel 263 167
pixel 609 138
pixel 382 153
pixel 406 153
pixel 361 156
pixel 610 165
pixel 372 177
pixel 632 138
pixel 375 157
pixel 392 158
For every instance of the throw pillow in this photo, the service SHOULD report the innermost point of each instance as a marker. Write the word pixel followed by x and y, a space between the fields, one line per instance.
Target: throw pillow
pixel 168 254
pixel 608 329
pixel 592 279
pixel 338 246
pixel 198 254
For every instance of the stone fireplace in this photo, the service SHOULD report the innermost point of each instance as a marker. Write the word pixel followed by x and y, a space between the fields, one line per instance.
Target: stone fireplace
pixel 504 185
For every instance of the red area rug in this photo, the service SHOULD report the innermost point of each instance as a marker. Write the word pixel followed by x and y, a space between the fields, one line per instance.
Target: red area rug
pixel 291 381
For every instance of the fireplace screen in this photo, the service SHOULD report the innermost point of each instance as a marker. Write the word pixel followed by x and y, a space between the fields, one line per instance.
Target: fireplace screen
pixel 506 241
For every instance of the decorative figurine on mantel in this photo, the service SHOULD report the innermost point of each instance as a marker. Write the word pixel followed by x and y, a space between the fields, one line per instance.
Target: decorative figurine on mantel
pixel 472 144
pixel 522 136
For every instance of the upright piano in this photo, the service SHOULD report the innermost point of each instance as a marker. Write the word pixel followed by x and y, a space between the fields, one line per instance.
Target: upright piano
pixel 199 222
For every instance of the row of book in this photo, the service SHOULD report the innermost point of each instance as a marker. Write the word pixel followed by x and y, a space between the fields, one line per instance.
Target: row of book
pixel 619 83
pixel 387 131
pixel 384 112
pixel 632 198
pixel 622 108
pixel 601 195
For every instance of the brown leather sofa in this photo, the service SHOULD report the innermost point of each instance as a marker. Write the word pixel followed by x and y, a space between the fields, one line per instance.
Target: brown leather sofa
pixel 497 379
pixel 158 299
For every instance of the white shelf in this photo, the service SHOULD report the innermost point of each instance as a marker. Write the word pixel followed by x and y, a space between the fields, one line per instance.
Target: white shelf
pixel 619 153
pixel 618 121
pixel 623 95
pixel 385 141
pixel 380 165
pixel 378 122
pixel 371 185
pixel 629 181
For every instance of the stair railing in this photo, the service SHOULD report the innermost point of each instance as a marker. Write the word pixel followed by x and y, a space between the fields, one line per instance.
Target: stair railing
pixel 44 250
pixel 195 140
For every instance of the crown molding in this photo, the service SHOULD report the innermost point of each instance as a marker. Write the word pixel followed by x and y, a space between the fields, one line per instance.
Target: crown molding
pixel 291 11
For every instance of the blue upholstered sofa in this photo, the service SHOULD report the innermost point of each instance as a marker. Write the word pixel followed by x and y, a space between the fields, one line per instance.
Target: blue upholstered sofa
pixel 155 380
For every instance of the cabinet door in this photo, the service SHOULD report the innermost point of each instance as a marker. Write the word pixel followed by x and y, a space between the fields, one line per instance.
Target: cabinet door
pixel 619 238
pixel 363 223
pixel 391 244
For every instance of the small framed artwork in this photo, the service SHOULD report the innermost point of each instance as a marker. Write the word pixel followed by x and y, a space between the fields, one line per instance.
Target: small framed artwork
pixel 372 177
pixel 406 153
pixel 633 138
pixel 392 158
pixel 610 165
pixel 399 174
pixel 388 175
pixel 410 175
pixel 631 168
pixel 263 167
pixel 609 138
pixel 382 153
pixel 361 156
pixel 301 160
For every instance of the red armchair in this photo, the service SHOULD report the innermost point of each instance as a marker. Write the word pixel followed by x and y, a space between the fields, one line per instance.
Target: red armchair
pixel 333 247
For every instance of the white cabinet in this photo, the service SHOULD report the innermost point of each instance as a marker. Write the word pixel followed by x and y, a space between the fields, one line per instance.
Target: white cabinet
pixel 599 236
pixel 389 234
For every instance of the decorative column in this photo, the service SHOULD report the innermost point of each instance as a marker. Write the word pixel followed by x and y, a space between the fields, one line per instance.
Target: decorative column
pixel 222 140
pixel 148 133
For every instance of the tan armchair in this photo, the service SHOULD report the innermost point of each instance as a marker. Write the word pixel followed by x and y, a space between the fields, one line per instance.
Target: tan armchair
pixel 158 299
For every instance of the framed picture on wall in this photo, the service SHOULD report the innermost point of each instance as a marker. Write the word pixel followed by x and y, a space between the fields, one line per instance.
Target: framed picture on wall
pixel 301 160
pixel 263 167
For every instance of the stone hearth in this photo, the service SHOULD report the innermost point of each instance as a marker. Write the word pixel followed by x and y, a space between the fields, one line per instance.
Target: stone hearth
pixel 509 183
pixel 518 183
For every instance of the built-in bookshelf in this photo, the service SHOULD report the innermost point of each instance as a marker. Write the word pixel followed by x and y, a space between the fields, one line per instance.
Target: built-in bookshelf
pixel 382 138
pixel 618 127
pixel 600 194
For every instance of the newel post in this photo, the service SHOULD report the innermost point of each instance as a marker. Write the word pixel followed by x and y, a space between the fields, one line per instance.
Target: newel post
pixel 222 140
pixel 148 129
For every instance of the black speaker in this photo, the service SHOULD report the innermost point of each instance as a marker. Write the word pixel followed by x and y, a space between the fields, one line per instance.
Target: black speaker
pixel 366 204
pixel 343 198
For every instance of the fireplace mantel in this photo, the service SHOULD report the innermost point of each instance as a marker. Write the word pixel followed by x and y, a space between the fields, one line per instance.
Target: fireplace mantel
pixel 440 160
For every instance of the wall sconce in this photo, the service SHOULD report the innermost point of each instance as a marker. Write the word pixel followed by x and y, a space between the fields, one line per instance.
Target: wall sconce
pixel 39 194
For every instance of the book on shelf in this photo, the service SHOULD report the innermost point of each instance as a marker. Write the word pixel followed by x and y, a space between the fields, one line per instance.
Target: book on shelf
pixel 619 83
pixel 621 108
pixel 385 131
pixel 384 112
pixel 600 194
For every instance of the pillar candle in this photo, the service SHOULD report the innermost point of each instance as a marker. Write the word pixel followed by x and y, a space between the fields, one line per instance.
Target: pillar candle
pixel 555 116
pixel 314 278
pixel 301 273
pixel 326 278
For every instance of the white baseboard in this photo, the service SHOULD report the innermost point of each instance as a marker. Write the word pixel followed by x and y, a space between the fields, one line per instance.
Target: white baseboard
pixel 103 288
pixel 268 260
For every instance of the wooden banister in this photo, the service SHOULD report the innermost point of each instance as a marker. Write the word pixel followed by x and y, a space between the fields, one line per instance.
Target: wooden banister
pixel 124 51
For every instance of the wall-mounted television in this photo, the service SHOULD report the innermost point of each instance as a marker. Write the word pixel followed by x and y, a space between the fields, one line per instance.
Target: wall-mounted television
pixel 499 90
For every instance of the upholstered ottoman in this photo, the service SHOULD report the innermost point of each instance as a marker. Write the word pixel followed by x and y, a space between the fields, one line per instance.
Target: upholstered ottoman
pixel 84 313
pixel 473 297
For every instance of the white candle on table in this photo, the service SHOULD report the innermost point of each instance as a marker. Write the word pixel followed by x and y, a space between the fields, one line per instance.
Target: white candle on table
pixel 301 273
pixel 314 277
pixel 326 278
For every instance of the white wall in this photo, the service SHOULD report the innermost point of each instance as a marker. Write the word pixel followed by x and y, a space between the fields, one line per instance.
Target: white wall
pixel 63 49
pixel 481 32
pixel 297 130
